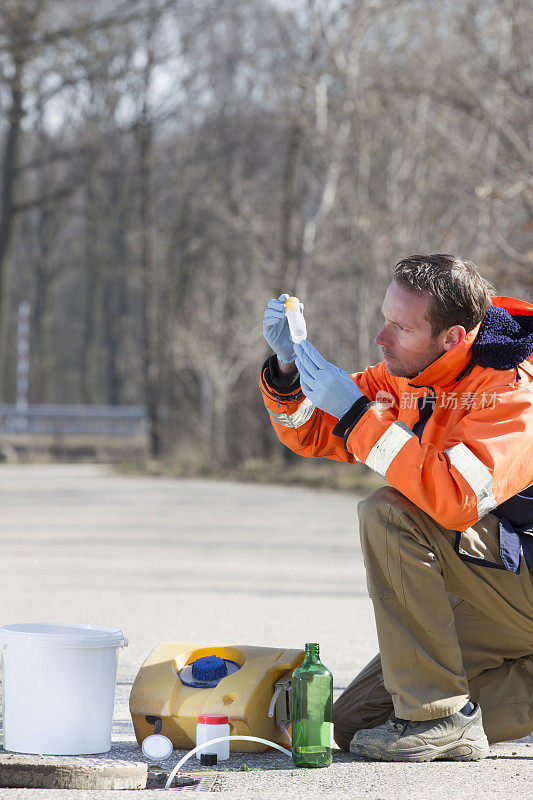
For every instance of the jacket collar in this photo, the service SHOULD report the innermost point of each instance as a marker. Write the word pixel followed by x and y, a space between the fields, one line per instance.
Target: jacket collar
pixel 445 369
pixel 505 340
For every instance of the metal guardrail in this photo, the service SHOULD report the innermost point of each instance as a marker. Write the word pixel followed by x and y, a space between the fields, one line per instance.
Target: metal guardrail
pixel 64 420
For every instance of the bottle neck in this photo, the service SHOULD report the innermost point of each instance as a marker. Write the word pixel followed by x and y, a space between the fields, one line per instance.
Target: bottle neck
pixel 312 652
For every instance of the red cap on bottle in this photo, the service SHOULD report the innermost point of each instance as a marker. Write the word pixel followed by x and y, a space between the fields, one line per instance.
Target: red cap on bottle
pixel 213 719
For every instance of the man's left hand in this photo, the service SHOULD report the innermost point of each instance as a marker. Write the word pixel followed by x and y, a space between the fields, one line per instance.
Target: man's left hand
pixel 328 387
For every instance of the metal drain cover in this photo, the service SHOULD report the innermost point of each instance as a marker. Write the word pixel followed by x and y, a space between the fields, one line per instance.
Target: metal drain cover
pixel 193 783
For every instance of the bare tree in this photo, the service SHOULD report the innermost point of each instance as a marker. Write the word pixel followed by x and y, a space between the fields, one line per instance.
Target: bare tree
pixel 168 165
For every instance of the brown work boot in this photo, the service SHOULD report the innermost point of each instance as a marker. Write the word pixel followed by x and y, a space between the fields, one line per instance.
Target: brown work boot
pixel 455 738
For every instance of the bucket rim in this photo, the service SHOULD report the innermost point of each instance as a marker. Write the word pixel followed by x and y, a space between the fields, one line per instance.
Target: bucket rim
pixel 61 634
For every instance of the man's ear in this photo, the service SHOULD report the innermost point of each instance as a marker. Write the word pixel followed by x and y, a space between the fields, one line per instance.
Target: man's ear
pixel 453 337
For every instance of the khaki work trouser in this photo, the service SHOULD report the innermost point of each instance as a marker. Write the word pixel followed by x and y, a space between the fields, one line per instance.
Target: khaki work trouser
pixel 448 630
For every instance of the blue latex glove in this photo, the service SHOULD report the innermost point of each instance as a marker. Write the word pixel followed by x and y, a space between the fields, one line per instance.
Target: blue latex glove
pixel 328 387
pixel 276 329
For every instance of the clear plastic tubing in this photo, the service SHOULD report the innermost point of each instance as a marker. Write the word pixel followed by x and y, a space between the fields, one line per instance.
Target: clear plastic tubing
pixel 296 320
pixel 193 752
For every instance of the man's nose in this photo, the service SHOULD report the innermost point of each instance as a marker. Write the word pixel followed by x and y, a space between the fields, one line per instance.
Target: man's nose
pixel 381 338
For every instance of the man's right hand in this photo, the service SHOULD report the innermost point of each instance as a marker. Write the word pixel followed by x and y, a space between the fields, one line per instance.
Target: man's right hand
pixel 276 329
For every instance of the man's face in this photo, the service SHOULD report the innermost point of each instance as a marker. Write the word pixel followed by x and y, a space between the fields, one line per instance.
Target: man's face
pixel 405 338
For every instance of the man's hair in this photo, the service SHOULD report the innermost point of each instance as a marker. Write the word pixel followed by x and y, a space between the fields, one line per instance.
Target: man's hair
pixel 459 294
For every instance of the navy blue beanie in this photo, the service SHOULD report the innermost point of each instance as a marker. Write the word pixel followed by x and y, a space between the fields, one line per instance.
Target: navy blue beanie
pixel 502 342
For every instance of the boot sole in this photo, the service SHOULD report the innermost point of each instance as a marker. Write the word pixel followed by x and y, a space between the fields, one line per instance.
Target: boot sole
pixel 455 751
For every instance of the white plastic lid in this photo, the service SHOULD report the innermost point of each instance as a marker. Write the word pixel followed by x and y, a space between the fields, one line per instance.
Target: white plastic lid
pixel 59 634
pixel 157 747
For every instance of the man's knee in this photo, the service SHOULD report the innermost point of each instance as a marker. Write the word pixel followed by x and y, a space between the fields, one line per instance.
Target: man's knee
pixel 365 703
pixel 347 716
pixel 374 510
pixel 380 499
pixel 342 731
pixel 368 715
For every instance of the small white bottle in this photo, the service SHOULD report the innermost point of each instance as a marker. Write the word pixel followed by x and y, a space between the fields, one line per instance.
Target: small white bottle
pixel 296 320
pixel 211 726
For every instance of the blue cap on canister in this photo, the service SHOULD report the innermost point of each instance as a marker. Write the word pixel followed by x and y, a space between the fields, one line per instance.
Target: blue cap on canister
pixel 209 668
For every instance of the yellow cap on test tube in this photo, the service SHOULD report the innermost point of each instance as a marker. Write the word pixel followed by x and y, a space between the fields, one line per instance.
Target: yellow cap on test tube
pixel 295 318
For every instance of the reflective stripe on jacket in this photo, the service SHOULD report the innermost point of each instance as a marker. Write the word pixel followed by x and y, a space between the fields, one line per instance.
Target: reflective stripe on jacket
pixel 456 440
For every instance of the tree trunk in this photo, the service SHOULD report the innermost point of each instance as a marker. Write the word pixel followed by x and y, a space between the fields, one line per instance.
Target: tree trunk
pixel 115 301
pixel 149 294
pixel 93 303
pixel 7 206
pixel 289 209
pixel 41 346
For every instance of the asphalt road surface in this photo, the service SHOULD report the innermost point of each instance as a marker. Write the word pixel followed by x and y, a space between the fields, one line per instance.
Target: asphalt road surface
pixel 217 562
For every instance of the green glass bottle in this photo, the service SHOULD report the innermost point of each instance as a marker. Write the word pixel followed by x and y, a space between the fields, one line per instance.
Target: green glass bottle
pixel 312 711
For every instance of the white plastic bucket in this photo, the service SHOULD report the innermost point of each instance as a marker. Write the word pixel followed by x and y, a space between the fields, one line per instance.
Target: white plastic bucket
pixel 59 687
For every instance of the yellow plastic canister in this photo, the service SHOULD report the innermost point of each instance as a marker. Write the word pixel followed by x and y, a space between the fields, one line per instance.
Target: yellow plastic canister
pixel 244 696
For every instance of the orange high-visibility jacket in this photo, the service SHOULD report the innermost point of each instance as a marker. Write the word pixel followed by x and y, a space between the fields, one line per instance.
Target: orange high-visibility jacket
pixel 457 439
